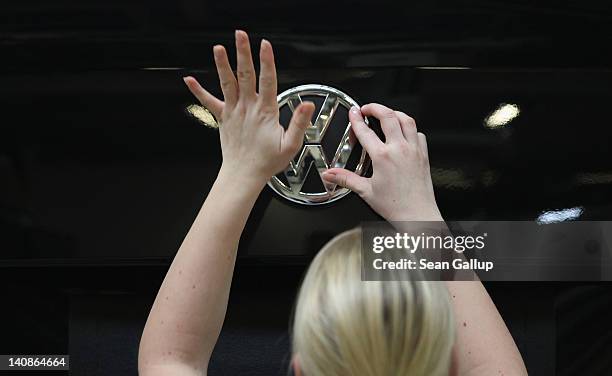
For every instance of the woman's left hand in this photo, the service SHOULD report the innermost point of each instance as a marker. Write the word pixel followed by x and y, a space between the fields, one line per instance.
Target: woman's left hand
pixel 400 188
pixel 253 143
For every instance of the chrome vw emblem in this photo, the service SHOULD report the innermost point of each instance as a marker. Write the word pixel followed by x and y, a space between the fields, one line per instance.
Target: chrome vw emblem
pixel 290 183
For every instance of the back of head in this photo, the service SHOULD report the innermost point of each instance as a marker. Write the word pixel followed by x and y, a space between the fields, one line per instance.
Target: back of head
pixel 346 326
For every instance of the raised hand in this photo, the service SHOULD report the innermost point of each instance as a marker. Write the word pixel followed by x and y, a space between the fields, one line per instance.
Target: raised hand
pixel 253 143
pixel 400 187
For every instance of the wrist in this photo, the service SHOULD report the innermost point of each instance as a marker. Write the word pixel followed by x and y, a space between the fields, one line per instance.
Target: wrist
pixel 245 182
pixel 426 213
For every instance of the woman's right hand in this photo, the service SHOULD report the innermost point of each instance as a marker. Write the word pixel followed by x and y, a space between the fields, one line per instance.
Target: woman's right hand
pixel 400 188
pixel 253 143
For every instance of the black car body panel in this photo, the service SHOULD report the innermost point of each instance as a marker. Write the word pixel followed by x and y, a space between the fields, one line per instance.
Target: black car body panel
pixel 102 170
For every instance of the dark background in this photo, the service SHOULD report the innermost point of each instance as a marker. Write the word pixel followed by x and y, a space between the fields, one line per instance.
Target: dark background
pixel 102 170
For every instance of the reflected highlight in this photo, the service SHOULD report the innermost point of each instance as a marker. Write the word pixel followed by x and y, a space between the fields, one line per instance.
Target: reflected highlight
pixel 503 115
pixel 555 216
pixel 203 115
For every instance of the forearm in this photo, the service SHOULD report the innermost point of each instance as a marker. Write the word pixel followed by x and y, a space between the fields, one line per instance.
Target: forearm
pixel 188 312
pixel 483 344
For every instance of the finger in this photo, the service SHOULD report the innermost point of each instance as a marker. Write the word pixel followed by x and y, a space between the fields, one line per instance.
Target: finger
pixel 347 179
pixel 366 136
pixel 409 129
pixel 245 70
pixel 226 76
pixel 267 73
pixel 388 120
pixel 207 100
pixel 422 140
pixel 294 135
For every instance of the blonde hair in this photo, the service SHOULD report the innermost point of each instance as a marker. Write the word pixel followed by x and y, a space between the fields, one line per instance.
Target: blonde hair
pixel 346 326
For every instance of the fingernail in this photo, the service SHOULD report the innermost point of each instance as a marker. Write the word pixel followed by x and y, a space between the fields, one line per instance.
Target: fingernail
pixel 185 79
pixel 355 110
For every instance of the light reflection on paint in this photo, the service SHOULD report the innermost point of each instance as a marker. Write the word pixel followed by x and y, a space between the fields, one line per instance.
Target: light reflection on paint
pixel 502 116
pixel 457 179
pixel 451 178
pixel 202 115
pixel 489 178
pixel 562 215
pixel 442 68
pixel 162 68
pixel 592 178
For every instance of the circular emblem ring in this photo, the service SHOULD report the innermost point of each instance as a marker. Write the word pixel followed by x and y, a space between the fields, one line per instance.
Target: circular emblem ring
pixel 312 153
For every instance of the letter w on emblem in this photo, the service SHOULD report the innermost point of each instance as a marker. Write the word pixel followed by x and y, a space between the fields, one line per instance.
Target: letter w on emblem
pixel 312 152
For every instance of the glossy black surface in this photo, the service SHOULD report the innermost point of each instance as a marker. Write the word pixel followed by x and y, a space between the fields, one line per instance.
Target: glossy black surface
pixel 99 161
pixel 100 164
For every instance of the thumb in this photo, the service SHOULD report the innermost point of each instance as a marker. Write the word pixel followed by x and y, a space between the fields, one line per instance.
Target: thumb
pixel 347 179
pixel 294 135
